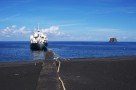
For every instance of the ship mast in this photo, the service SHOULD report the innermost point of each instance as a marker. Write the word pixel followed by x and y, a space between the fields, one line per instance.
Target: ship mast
pixel 38 27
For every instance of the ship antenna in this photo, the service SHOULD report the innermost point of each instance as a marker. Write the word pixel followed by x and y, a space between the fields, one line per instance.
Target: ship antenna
pixel 38 26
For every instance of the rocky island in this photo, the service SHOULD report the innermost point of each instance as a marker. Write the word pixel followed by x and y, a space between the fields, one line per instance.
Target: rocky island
pixel 112 40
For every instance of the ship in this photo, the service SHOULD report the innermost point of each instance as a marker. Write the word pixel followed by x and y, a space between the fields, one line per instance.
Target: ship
pixel 38 41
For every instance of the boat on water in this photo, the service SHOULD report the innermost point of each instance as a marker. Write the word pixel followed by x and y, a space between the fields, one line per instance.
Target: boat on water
pixel 38 41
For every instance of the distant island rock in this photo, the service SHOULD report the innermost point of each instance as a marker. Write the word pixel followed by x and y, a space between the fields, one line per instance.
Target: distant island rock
pixel 112 40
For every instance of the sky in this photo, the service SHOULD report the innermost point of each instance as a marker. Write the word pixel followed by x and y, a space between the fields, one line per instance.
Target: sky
pixel 68 20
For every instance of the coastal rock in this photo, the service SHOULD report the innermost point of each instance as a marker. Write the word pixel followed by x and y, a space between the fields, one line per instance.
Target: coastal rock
pixel 113 40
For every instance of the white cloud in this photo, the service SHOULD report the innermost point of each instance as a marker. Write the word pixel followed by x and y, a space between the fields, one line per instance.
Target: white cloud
pixel 67 25
pixel 14 31
pixel 102 34
pixel 121 35
pixel 23 31
pixel 55 33
pixel 53 30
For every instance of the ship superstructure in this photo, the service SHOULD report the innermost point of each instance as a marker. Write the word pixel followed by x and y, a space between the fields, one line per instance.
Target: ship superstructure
pixel 38 41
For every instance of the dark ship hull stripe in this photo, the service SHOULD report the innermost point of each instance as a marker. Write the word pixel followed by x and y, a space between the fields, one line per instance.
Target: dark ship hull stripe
pixel 38 46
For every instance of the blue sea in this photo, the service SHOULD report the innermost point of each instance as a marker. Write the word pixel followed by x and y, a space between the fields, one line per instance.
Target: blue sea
pixel 20 50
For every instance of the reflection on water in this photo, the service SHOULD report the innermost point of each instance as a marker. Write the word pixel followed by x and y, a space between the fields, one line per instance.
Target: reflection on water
pixel 42 55
pixel 38 55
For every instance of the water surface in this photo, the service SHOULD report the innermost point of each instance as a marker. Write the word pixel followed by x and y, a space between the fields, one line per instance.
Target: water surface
pixel 20 51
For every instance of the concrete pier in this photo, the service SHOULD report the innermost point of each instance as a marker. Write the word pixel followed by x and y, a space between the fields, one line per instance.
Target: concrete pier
pixel 48 78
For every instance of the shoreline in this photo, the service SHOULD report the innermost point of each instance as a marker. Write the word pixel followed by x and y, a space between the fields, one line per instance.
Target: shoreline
pixel 97 58
pixel 17 63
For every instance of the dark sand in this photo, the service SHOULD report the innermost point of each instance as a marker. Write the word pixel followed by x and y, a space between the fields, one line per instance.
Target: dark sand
pixel 19 75
pixel 99 74
pixel 118 73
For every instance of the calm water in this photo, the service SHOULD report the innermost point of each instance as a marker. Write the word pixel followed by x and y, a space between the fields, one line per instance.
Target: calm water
pixel 18 51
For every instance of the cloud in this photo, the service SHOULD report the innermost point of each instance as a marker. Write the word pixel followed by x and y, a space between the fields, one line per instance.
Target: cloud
pixel 121 35
pixel 102 34
pixel 13 30
pixel 53 30
pixel 67 25
pixel 55 33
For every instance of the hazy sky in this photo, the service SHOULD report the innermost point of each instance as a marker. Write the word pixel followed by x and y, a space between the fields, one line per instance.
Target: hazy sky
pixel 68 20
